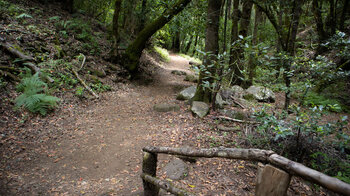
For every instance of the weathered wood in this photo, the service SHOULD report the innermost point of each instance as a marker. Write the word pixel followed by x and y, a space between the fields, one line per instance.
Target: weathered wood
pixel 314 176
pixel 149 168
pixel 235 120
pixel 265 156
pixel 9 48
pixel 230 153
pixel 84 84
pixel 271 181
pixel 164 185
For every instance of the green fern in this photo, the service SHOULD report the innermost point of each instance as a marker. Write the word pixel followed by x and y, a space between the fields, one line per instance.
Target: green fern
pixel 33 96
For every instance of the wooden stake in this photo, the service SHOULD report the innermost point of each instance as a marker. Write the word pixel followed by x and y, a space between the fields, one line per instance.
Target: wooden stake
pixel 149 167
pixel 271 181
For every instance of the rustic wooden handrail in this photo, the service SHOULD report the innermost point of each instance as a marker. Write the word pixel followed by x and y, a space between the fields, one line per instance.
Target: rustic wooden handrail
pixel 265 156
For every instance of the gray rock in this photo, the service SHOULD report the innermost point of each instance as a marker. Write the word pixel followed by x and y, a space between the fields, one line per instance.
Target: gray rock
pixel 234 114
pixel 191 78
pixel 220 103
pixel 187 93
pixel 200 108
pixel 176 169
pixel 238 92
pixel 262 94
pixel 165 107
pixel 178 72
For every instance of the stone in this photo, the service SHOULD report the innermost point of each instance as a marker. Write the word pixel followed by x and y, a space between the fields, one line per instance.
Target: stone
pixel 176 169
pixel 200 108
pixel 220 103
pixel 261 94
pixel 238 92
pixel 191 78
pixel 178 72
pixel 165 107
pixel 233 114
pixel 187 93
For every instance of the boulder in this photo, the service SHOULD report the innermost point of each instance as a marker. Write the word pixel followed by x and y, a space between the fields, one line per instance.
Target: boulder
pixel 176 169
pixel 261 94
pixel 165 107
pixel 178 72
pixel 187 93
pixel 220 103
pixel 200 108
pixel 191 78
pixel 238 92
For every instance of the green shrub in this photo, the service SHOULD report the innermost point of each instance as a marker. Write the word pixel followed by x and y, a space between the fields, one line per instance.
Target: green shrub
pixel 33 96
pixel 314 99
pixel 163 53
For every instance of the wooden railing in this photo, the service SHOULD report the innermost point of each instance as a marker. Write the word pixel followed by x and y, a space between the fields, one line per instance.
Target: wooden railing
pixel 278 184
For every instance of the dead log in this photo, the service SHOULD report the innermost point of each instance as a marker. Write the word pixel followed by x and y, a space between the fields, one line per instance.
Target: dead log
pixel 314 176
pixel 9 75
pixel 229 153
pixel 10 69
pixel 164 185
pixel 228 129
pixel 235 120
pixel 149 168
pixel 9 48
pixel 238 103
pixel 84 84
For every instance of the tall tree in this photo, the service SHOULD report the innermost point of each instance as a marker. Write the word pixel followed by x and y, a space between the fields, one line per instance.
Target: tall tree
pixel 134 51
pixel 286 33
pixel 117 8
pixel 211 49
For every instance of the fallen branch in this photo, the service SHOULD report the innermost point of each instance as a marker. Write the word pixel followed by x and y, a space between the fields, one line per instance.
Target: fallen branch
pixel 164 185
pixel 10 75
pixel 238 103
pixel 84 84
pixel 10 69
pixel 228 129
pixel 265 156
pixel 82 64
pixel 9 48
pixel 235 120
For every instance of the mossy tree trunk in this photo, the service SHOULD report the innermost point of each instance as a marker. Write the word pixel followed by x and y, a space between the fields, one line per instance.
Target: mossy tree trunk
pixel 117 8
pixel 133 53
pixel 211 49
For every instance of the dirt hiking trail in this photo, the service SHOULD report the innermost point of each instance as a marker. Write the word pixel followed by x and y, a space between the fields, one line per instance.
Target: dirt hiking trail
pixel 99 151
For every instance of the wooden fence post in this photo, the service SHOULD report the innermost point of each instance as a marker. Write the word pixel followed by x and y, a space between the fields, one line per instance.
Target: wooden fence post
pixel 271 181
pixel 149 166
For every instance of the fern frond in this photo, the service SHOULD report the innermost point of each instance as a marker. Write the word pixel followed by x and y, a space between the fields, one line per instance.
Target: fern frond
pixel 32 98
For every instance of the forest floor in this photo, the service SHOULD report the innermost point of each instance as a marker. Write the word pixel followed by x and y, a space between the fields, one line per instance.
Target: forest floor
pixel 95 148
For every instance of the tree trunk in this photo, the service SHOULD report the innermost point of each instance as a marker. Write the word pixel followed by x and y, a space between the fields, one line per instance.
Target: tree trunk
pixel 134 50
pixel 117 8
pixel 344 13
pixel 225 23
pixel 188 46
pixel 143 16
pixel 244 28
pixel 233 63
pixel 211 49
pixel 176 41
pixel 195 45
pixel 291 48
pixel 252 64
